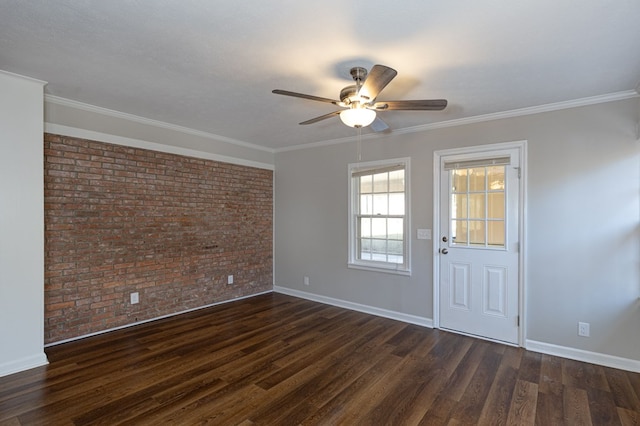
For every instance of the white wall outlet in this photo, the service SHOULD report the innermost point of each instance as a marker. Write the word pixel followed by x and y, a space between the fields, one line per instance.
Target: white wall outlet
pixel 424 234
pixel 583 329
pixel 306 280
pixel 230 279
pixel 135 298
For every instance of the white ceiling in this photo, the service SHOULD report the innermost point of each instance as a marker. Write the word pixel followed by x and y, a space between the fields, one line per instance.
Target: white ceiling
pixel 210 65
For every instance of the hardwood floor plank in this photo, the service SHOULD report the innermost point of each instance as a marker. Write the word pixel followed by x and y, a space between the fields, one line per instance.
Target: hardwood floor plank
pixel 276 359
pixel 576 406
pixel 523 404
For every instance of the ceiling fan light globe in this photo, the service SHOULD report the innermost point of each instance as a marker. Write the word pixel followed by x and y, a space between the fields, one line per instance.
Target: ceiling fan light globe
pixel 357 117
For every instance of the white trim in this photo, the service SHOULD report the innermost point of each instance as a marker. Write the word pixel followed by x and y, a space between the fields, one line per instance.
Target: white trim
pixel 576 103
pixel 60 129
pixel 133 324
pixel 24 77
pixel 385 313
pixel 386 267
pixel 156 123
pixel 584 356
pixel 521 146
pixel 23 364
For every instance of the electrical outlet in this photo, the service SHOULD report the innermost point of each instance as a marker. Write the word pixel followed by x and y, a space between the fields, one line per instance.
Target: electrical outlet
pixel 230 279
pixel 583 329
pixel 306 280
pixel 135 298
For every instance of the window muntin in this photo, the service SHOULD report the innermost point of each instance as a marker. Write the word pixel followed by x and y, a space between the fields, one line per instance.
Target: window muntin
pixel 379 216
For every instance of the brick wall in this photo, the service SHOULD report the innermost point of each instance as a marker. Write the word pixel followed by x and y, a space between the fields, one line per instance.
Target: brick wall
pixel 120 220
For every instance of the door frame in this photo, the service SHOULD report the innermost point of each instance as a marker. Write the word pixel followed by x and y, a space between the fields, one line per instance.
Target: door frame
pixel 521 146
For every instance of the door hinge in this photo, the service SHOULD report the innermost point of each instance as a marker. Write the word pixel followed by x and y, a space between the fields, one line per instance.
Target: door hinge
pixel 518 320
pixel 519 172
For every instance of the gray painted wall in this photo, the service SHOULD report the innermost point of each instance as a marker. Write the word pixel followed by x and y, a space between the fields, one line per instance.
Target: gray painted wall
pixel 583 213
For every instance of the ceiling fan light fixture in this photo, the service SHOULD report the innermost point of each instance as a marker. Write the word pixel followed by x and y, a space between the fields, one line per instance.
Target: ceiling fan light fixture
pixel 357 117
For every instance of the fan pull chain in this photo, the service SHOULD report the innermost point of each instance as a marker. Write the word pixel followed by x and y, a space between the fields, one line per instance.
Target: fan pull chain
pixel 359 144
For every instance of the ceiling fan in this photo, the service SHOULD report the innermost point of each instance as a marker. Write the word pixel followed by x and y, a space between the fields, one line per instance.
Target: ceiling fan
pixel 359 100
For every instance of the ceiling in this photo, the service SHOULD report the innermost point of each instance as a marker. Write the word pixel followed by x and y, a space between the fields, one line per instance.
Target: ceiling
pixel 210 65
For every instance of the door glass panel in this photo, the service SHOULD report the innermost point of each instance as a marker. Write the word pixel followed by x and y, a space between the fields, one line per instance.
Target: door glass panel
pixel 459 232
pixel 477 232
pixel 495 178
pixel 495 205
pixel 477 210
pixel 459 179
pixel 477 179
pixel 495 233
pixel 476 206
pixel 458 206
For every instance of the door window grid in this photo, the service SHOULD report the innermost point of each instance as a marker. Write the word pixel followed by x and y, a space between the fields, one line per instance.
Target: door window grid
pixel 477 217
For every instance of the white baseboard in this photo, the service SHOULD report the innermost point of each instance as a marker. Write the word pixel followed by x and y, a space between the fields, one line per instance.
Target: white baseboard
pixel 585 356
pixel 59 342
pixel 22 364
pixel 399 316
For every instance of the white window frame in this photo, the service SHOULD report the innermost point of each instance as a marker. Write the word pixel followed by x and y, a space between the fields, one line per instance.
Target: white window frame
pixel 354 200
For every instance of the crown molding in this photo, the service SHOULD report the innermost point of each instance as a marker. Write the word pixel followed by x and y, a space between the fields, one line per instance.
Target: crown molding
pixel 59 129
pixel 155 123
pixel 23 77
pixel 592 100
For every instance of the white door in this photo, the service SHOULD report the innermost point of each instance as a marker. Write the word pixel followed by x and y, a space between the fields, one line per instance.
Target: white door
pixel 479 242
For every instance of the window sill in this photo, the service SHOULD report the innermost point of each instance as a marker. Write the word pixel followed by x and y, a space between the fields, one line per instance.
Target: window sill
pixel 386 270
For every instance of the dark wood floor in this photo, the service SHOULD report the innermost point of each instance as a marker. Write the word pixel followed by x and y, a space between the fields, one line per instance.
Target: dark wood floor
pixel 278 360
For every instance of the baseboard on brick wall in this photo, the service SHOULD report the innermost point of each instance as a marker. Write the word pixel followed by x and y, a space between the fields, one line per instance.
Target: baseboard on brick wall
pixel 584 356
pixel 154 319
pixel 399 316
pixel 23 364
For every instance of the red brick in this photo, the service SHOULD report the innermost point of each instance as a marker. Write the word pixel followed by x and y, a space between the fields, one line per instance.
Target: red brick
pixel 119 220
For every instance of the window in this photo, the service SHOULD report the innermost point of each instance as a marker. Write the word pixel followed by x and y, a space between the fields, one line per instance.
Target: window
pixel 379 216
pixel 477 197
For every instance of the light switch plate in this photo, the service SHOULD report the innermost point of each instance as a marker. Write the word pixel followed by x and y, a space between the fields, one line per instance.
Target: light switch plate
pixel 424 234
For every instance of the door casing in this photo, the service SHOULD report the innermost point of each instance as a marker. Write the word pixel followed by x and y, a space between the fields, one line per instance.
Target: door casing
pixel 521 146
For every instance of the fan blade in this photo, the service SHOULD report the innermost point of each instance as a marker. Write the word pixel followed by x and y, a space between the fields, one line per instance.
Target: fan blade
pixel 303 96
pixel 378 78
pixel 378 125
pixel 322 117
pixel 416 105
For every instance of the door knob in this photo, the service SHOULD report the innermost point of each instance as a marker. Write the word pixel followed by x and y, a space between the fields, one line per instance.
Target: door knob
pixel 444 251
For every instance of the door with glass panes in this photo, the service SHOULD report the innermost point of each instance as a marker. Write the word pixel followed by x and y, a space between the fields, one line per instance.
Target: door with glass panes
pixel 479 244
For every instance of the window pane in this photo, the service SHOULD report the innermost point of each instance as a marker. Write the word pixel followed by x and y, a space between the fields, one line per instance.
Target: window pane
pixel 496 233
pixel 495 205
pixel 495 176
pixel 395 247
pixel 396 181
pixel 459 180
pixel 378 246
pixel 476 206
pixel 381 204
pixel 366 204
pixel 396 204
pixel 365 227
pixel 476 179
pixel 392 258
pixel 379 227
pixel 458 206
pixel 476 232
pixel 366 184
pixel 380 182
pixel 459 232
pixel 365 249
pixel 395 229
